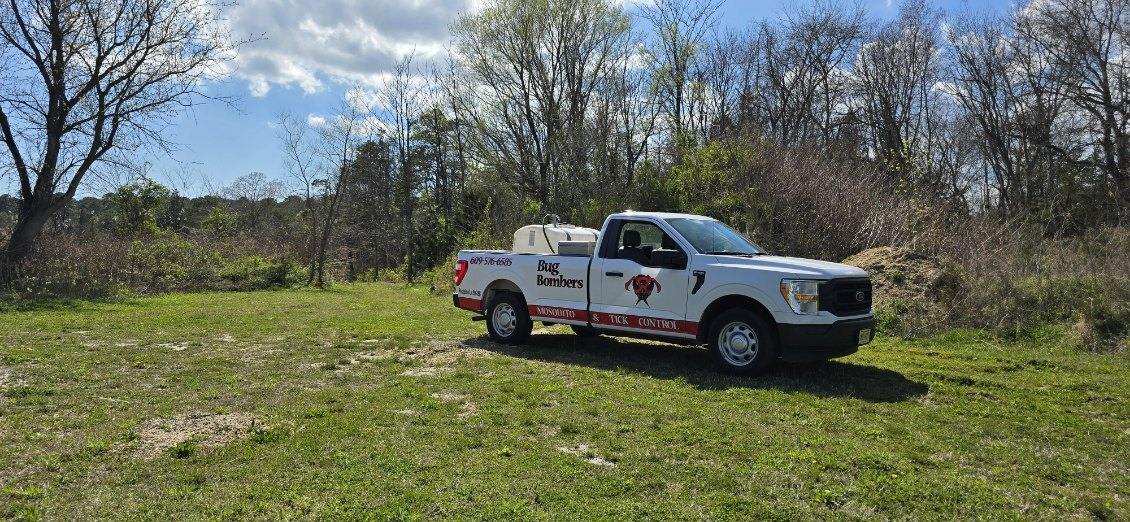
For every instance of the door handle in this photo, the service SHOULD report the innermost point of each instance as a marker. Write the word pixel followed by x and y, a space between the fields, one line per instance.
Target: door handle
pixel 614 274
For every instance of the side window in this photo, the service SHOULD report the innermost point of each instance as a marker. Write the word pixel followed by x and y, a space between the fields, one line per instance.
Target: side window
pixel 640 241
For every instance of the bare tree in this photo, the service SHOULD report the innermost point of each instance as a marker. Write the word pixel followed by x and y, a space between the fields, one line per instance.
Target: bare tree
pixel 301 161
pixel 681 28
pixel 1090 41
pixel 720 73
pixel 634 104
pixel 338 139
pixel 538 66
pixel 982 84
pixel 801 71
pixel 252 195
pixel 894 78
pixel 84 78
pixel 399 108
pixel 254 187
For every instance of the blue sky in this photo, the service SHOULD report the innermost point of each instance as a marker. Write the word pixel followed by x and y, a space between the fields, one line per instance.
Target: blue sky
pixel 309 58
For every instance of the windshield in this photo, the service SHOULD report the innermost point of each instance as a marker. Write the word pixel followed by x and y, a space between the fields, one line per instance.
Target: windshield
pixel 710 236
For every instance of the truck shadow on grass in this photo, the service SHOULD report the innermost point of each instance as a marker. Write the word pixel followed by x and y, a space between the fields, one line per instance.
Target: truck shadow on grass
pixel 694 365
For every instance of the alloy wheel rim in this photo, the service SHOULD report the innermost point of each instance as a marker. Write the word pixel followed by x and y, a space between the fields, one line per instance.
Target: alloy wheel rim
pixel 738 343
pixel 504 319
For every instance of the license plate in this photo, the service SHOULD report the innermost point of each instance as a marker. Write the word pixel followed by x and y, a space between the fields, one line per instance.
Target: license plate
pixel 864 336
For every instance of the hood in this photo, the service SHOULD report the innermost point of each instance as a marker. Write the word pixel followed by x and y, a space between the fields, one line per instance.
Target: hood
pixel 792 266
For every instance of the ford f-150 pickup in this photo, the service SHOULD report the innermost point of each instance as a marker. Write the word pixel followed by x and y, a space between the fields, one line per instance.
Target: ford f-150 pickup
pixel 676 277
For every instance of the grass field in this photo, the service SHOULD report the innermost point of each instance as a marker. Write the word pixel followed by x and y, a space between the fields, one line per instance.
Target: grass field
pixel 385 402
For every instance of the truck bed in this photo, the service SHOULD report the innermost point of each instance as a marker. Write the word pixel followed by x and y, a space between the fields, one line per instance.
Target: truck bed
pixel 561 282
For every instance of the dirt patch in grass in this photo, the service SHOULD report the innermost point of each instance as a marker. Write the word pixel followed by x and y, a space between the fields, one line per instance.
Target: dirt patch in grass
pixel 586 453
pixel 466 407
pixel 434 357
pixel 176 347
pixel 447 352
pixel 6 377
pixel 449 397
pixel 156 437
pixel 424 371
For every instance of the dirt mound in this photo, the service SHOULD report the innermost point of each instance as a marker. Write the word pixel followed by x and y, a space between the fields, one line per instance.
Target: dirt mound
pixel 156 436
pixel 900 275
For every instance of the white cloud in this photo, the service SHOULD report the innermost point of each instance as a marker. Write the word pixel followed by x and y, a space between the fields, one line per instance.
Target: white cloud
pixel 305 43
pixel 315 120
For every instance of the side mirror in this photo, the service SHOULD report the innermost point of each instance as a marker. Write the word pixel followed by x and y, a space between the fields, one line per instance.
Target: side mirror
pixel 673 259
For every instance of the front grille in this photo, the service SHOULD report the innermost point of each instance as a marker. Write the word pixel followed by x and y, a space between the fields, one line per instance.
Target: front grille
pixel 841 296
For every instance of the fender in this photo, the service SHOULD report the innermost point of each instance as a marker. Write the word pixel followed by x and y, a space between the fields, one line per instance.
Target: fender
pixel 499 279
pixel 506 280
pixel 695 310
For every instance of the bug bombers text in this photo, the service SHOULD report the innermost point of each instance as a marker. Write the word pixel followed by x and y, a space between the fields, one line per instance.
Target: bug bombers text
pixel 560 282
pixel 555 279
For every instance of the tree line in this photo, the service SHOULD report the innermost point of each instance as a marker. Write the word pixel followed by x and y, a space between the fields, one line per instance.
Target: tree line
pixel 582 107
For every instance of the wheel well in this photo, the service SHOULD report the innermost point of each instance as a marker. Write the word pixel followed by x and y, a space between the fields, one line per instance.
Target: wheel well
pixel 497 286
pixel 727 303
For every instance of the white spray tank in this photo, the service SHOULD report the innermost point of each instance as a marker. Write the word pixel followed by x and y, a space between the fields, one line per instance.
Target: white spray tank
pixel 547 237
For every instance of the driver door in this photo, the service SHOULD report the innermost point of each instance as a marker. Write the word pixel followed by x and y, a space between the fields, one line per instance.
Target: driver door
pixel 640 290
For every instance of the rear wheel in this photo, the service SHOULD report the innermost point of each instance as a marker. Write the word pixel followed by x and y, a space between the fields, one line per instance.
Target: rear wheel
pixel 585 331
pixel 742 342
pixel 508 321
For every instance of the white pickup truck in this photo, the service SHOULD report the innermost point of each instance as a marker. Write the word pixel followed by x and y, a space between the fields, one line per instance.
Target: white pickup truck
pixel 676 277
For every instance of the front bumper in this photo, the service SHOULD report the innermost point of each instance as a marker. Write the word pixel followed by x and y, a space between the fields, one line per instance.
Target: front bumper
pixel 819 342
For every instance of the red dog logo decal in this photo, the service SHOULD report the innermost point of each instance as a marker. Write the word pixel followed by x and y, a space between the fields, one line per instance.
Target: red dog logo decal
pixel 642 286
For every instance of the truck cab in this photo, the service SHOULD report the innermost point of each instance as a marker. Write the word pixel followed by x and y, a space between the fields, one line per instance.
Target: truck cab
pixel 678 277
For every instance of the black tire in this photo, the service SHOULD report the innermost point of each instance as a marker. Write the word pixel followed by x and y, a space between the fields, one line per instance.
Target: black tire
pixel 730 330
pixel 585 331
pixel 509 310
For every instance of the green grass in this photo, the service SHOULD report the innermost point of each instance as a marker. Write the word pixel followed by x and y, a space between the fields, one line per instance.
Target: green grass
pixel 386 402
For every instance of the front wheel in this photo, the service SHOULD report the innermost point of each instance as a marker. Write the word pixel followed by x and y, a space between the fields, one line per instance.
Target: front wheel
pixel 508 321
pixel 743 343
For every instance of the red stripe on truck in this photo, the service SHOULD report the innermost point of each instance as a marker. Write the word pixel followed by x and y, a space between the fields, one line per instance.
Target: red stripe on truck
pixel 471 304
pixel 645 323
pixel 556 312
pixel 622 320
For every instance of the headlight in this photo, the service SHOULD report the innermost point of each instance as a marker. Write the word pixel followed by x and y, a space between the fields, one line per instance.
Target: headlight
pixel 802 296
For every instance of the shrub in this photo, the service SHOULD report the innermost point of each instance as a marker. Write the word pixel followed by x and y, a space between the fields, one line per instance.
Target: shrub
pixel 1104 327
pixel 258 273
pixel 1096 306
pixel 183 450
pixel 136 206
pixel 440 277
pixel 102 266
pixel 170 263
pixel 68 267
pixel 219 223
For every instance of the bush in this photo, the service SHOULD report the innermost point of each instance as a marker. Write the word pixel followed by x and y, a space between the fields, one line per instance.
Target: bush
pixel 441 277
pixel 1021 306
pixel 104 266
pixel 260 273
pixel 1104 327
pixel 1013 292
pixel 68 267
pixel 171 263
